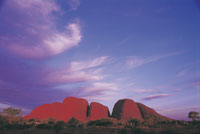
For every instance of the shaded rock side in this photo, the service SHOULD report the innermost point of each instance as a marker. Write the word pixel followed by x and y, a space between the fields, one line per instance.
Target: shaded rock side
pixel 126 109
pixel 149 113
pixel 98 111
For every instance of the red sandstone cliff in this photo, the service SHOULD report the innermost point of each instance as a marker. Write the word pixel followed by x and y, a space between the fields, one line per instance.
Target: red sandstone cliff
pixel 98 111
pixel 126 109
pixel 79 108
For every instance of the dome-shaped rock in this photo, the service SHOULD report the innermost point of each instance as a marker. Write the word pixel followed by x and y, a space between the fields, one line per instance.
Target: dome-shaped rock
pixel 98 111
pixel 126 109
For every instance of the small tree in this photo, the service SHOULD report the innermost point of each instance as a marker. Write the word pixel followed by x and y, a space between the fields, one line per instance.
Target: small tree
pixel 12 112
pixel 193 115
pixel 134 122
pixel 73 122
pixel 59 125
pixel 51 121
pixel 102 122
pixel 3 122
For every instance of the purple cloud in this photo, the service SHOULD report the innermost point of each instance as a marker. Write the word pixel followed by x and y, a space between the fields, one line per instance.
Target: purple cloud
pixel 135 61
pixel 74 4
pixel 37 35
pixel 180 74
pixel 195 84
pixel 77 71
pixel 38 84
pixel 144 90
pixel 155 96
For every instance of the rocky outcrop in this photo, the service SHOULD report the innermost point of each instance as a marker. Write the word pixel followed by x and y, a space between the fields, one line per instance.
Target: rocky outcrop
pixel 79 108
pixel 98 111
pixel 75 107
pixel 149 113
pixel 71 107
pixel 46 111
pixel 126 109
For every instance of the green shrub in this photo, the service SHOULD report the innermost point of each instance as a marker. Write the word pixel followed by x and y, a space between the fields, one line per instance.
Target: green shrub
pixel 123 131
pixel 134 122
pixel 137 131
pixel 167 131
pixel 73 123
pixel 59 125
pixel 43 126
pixel 3 122
pixel 102 122
pixel 51 121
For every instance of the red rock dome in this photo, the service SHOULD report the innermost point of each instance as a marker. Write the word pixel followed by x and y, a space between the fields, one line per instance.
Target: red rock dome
pixel 71 107
pixel 126 109
pixel 75 107
pixel 46 111
pixel 78 108
pixel 98 111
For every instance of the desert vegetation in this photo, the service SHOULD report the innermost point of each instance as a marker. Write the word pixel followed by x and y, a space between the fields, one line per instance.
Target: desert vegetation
pixel 12 122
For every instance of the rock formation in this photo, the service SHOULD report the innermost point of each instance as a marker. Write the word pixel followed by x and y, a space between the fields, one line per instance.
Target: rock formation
pixel 79 108
pixel 75 107
pixel 149 113
pixel 98 111
pixel 126 109
pixel 71 107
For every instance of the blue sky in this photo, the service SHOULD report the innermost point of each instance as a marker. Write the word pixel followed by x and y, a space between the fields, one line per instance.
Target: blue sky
pixel 101 50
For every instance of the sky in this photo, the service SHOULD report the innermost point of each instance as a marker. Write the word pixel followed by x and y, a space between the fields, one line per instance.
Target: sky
pixel 101 50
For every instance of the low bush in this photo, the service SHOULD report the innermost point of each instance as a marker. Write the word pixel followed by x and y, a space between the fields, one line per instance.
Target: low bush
pixel 73 123
pixel 43 126
pixel 102 122
pixel 59 125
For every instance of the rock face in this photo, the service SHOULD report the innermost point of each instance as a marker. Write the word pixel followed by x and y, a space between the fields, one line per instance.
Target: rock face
pixel 98 111
pixel 126 109
pixel 149 113
pixel 79 108
pixel 71 107
pixel 75 107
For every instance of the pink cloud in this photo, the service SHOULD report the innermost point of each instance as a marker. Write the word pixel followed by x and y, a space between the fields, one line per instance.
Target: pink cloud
pixel 37 35
pixel 92 98
pixel 177 90
pixel 145 90
pixel 88 64
pixel 74 4
pixel 195 84
pixel 156 96
pixel 101 86
pixel 99 91
pixel 180 74
pixel 78 71
pixel 135 61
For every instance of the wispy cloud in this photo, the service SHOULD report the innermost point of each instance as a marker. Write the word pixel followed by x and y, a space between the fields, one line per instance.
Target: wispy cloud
pixel 92 98
pixel 101 86
pixel 78 71
pixel 74 4
pixel 180 74
pixel 36 24
pixel 135 61
pixel 99 91
pixel 155 96
pixel 81 65
pixel 177 90
pixel 195 84
pixel 144 90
